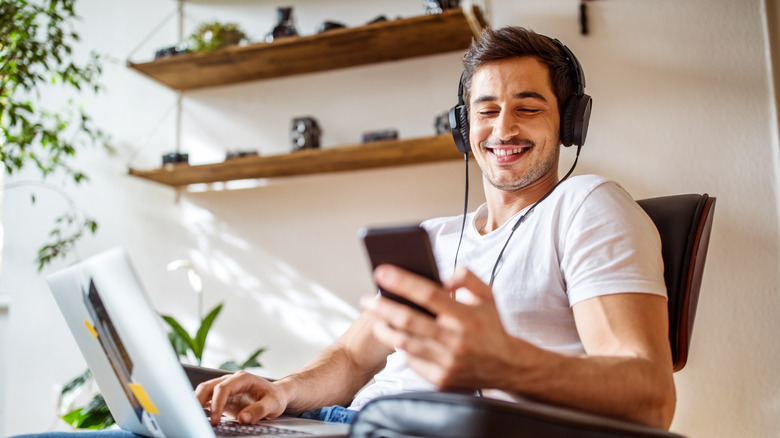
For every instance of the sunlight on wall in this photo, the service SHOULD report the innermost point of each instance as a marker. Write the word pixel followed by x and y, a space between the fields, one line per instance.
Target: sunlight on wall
pixel 291 310
pixel 237 184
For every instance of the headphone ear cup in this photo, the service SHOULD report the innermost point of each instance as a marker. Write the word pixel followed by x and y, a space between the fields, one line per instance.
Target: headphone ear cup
pixel 575 119
pixel 567 121
pixel 459 125
pixel 582 119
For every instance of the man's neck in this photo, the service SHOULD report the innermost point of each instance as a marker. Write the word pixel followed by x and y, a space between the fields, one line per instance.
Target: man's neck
pixel 503 204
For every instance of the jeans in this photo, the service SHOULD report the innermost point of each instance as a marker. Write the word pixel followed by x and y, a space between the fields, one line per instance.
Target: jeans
pixel 331 414
pixel 108 433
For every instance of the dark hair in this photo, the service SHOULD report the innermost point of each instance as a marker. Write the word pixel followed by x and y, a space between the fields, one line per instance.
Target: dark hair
pixel 515 42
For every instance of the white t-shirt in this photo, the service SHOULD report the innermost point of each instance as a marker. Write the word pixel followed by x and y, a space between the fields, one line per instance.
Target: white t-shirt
pixel 588 238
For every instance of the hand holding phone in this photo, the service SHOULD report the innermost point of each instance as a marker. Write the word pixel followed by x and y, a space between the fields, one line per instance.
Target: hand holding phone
pixel 408 248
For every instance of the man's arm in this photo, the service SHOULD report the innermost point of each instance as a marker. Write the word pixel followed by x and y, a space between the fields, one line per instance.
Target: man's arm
pixel 626 373
pixel 332 377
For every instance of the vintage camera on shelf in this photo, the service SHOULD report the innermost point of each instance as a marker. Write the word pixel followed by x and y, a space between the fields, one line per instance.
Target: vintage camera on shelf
pixel 285 26
pixel 175 158
pixel 329 25
pixel 305 133
pixel 230 155
pixel 378 19
pixel 386 134
pixel 165 52
pixel 442 123
pixel 437 6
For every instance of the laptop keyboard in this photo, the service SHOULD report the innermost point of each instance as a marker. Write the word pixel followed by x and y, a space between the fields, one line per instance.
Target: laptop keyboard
pixel 232 428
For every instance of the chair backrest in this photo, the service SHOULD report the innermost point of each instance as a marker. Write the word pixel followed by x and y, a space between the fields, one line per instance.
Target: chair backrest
pixel 684 223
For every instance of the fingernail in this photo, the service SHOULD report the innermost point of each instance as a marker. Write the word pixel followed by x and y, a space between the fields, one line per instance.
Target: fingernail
pixel 383 272
pixel 245 418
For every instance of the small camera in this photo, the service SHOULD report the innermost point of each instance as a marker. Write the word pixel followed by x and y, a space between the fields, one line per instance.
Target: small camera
pixel 329 25
pixel 387 134
pixel 166 52
pixel 175 158
pixel 305 133
pixel 437 6
pixel 442 123
pixel 231 155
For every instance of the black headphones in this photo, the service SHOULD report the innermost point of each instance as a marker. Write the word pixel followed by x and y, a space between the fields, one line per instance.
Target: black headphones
pixel 574 116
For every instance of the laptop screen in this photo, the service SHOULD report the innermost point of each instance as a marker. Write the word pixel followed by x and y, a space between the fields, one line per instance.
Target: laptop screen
pixel 125 346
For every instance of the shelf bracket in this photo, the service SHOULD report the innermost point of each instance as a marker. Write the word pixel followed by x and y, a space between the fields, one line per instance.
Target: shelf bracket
pixel 153 32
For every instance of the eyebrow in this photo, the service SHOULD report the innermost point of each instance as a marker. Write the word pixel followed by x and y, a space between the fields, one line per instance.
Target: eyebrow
pixel 520 95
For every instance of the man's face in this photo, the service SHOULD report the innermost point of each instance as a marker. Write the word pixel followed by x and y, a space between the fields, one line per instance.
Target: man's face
pixel 514 122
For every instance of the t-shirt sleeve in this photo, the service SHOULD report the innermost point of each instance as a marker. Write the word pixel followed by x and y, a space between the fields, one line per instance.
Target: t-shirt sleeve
pixel 611 247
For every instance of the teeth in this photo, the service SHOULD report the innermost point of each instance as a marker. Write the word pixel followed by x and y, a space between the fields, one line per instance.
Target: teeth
pixel 504 152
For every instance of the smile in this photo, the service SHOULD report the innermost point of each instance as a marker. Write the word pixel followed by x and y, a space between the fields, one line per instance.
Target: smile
pixel 507 151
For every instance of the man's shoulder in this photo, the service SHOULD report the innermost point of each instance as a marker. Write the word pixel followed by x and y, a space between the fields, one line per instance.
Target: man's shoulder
pixel 444 223
pixel 585 184
pixel 592 195
pixel 581 187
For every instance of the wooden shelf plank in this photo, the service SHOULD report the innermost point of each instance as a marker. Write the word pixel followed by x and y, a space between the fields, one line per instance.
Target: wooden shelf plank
pixel 389 40
pixel 310 161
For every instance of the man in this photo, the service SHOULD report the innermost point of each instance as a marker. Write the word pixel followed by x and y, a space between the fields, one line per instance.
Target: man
pixel 572 311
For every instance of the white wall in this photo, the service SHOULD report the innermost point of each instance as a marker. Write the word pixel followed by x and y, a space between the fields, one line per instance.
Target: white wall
pixel 682 104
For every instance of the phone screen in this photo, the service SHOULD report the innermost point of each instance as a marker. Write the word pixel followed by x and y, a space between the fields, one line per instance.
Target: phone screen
pixel 407 247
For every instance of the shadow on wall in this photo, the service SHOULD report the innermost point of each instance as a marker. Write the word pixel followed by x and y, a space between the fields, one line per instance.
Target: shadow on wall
pixel 268 303
pixel 286 259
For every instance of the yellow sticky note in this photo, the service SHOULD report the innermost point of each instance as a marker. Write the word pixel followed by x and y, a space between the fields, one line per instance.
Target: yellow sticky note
pixel 90 328
pixel 143 398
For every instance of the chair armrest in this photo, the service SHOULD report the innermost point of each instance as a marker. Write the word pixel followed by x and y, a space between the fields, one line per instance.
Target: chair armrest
pixel 453 415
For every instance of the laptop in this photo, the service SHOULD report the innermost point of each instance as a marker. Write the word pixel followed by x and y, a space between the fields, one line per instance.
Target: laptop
pixel 139 374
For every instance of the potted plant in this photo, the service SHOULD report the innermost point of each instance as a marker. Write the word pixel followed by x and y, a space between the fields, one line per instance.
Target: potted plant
pixel 37 39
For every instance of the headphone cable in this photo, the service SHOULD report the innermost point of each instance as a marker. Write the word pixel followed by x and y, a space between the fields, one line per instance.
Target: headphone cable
pixel 465 211
pixel 533 206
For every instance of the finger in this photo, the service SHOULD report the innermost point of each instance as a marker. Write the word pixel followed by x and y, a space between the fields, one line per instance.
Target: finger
pixel 204 391
pixel 398 315
pixel 257 411
pixel 462 278
pixel 223 390
pixel 415 288
pixel 428 348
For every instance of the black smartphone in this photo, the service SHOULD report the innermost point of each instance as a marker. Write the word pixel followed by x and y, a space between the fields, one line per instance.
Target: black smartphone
pixel 407 247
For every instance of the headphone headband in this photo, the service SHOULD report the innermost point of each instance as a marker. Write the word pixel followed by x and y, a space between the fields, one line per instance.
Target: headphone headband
pixel 575 64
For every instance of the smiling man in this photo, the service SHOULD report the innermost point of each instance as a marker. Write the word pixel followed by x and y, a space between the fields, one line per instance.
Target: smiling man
pixel 559 291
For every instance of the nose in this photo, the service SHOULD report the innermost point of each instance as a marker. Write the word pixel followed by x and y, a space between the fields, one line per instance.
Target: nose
pixel 505 125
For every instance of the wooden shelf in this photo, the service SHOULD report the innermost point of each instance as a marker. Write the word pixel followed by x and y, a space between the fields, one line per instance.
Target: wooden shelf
pixel 389 40
pixel 311 161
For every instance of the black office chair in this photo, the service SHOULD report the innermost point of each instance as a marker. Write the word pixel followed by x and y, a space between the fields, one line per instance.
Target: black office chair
pixel 684 223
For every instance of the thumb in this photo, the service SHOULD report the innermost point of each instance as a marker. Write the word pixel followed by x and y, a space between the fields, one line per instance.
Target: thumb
pixel 463 279
pixel 252 413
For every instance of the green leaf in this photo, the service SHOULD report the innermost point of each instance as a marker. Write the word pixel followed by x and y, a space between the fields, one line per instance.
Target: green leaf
pixel 231 366
pixel 93 416
pixel 180 346
pixel 251 361
pixel 37 54
pixel 76 382
pixel 203 330
pixel 73 418
pixel 179 331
